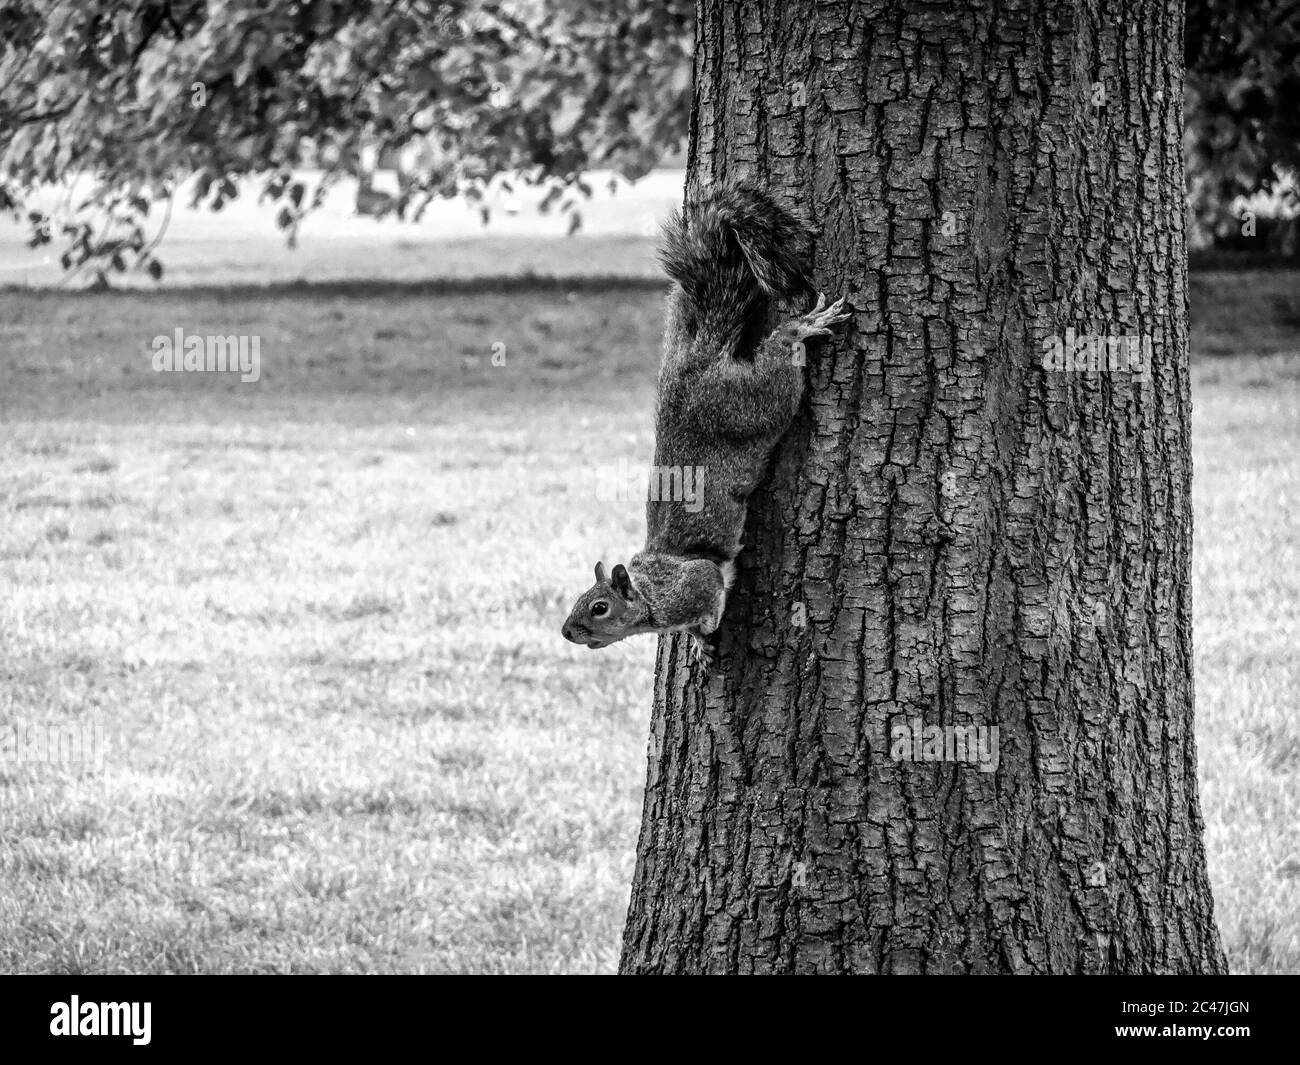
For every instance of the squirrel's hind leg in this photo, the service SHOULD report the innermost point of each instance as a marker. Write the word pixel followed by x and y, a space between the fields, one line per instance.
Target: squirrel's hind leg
pixel 703 650
pixel 818 321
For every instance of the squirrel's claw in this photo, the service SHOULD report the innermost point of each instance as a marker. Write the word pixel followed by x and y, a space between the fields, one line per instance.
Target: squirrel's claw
pixel 702 653
pixel 818 321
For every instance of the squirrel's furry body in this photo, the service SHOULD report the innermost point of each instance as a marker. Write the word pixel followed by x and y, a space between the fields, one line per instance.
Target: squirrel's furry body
pixel 726 396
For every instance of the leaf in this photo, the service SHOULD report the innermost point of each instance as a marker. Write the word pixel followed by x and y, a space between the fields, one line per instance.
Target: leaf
pixel 548 201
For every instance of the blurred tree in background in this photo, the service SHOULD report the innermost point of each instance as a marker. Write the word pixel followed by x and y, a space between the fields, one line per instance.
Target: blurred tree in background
pixel 138 96
pixel 1243 114
pixel 133 98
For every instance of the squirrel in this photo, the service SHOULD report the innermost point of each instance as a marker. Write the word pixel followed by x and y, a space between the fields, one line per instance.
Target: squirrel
pixel 725 398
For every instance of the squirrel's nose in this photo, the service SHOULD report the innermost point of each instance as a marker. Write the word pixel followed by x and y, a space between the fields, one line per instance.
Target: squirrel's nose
pixel 564 631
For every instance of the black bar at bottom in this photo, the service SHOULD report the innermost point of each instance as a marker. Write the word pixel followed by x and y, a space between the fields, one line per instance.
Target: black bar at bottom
pixel 212 1014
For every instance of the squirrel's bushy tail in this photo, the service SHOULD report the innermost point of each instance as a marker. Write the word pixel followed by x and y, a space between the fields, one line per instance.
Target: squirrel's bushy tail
pixel 731 250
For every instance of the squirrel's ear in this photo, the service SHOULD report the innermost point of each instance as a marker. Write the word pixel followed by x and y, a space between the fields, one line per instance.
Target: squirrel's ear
pixel 601 576
pixel 622 582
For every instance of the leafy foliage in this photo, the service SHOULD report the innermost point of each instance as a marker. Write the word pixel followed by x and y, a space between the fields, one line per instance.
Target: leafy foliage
pixel 1242 103
pixel 140 96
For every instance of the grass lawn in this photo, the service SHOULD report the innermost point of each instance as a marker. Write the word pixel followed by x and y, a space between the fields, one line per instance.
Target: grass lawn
pixel 317 619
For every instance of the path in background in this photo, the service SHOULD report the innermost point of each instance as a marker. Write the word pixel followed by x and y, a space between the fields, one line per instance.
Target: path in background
pixel 241 245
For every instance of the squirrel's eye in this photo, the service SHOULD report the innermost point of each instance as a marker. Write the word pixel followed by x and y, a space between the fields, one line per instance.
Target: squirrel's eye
pixel 599 609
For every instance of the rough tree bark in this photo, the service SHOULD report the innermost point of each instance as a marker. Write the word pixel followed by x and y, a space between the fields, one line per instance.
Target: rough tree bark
pixel 952 534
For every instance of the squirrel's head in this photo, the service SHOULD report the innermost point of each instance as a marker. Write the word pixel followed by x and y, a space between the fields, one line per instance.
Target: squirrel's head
pixel 609 611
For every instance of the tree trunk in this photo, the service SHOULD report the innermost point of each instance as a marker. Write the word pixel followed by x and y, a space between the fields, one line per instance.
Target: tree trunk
pixel 953 535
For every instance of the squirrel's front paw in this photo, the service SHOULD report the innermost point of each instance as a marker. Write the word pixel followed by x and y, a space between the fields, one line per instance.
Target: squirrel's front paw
pixel 818 321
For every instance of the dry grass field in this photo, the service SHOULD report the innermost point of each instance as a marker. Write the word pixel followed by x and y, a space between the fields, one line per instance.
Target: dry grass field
pixel 317 620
